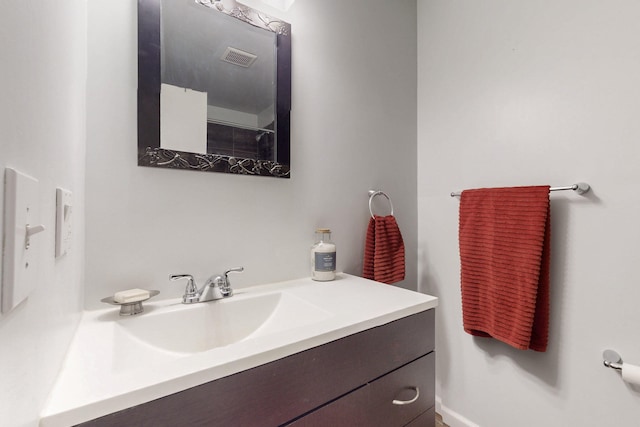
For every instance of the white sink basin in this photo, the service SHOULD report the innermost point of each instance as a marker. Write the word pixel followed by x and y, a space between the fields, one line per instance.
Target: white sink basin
pixel 192 328
pixel 115 362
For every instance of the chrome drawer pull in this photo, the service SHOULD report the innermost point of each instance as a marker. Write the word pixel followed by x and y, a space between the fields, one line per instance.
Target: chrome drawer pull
pixel 408 402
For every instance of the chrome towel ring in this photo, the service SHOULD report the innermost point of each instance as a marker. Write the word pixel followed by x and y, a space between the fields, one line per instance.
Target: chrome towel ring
pixel 374 193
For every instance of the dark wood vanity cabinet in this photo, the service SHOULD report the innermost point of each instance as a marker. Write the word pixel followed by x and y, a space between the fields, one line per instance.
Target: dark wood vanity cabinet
pixel 352 381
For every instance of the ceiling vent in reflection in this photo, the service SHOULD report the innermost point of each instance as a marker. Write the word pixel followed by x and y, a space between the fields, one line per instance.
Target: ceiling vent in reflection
pixel 238 57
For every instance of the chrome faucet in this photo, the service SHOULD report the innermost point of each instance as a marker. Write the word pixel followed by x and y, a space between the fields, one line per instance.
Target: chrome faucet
pixel 216 287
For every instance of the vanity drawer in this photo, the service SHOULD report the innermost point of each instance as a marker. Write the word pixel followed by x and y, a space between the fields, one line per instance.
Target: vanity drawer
pixel 372 405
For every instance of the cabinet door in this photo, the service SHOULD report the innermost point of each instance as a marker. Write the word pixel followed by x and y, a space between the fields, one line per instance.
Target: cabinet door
pixel 427 419
pixel 392 400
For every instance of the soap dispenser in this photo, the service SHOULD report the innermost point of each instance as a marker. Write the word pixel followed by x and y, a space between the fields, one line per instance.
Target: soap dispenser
pixel 323 256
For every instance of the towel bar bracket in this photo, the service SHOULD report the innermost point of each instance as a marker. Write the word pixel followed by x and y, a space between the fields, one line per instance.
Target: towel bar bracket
pixel 612 359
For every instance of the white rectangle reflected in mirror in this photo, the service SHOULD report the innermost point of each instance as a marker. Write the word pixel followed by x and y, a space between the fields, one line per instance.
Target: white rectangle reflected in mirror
pixel 183 119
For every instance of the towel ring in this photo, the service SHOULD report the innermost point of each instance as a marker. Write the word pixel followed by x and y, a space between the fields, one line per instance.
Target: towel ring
pixel 374 193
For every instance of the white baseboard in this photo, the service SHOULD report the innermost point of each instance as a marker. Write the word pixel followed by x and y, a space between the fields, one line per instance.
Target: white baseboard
pixel 451 417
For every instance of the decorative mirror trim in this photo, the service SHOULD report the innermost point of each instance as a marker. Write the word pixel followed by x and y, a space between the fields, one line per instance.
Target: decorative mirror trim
pixel 172 159
pixel 149 82
pixel 249 15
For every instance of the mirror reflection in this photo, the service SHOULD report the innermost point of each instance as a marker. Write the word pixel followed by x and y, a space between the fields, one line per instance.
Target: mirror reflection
pixel 220 76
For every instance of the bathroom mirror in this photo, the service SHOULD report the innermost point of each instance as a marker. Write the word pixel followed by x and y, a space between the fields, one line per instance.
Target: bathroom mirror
pixel 214 88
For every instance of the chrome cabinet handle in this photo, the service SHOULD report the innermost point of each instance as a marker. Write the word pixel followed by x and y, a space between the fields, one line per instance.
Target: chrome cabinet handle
pixel 408 402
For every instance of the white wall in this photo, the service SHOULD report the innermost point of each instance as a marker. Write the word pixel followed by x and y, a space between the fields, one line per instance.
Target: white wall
pixel 42 133
pixel 520 93
pixel 354 128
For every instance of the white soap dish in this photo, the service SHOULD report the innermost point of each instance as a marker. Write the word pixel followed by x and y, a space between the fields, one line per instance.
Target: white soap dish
pixel 129 308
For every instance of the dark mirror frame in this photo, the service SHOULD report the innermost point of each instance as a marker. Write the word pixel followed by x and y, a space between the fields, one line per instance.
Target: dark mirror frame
pixel 149 81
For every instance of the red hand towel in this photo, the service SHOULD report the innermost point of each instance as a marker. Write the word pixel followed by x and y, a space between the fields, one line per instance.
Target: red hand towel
pixel 383 251
pixel 504 254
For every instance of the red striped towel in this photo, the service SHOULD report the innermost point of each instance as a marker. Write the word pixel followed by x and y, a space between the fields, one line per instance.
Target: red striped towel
pixel 383 251
pixel 504 254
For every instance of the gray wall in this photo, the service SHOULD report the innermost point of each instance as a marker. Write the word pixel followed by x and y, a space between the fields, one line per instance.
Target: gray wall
pixel 526 93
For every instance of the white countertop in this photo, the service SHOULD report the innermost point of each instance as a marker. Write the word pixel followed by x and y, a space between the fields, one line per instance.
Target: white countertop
pixel 101 375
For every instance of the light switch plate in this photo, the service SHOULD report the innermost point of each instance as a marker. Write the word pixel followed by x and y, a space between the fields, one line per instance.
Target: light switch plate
pixel 64 206
pixel 20 244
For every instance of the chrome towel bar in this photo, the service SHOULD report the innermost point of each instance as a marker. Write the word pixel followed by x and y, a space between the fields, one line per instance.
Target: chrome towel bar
pixel 580 188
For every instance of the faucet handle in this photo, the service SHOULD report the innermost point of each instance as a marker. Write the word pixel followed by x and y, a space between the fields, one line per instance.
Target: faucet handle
pixel 191 291
pixel 227 284
pixel 235 269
